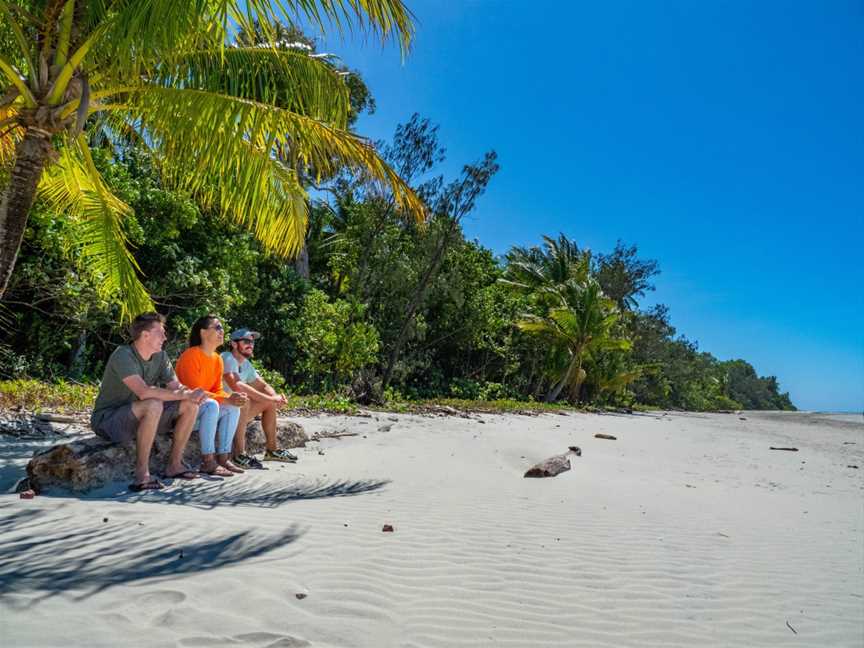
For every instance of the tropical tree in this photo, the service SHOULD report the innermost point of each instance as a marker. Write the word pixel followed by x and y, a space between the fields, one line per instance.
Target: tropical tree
pixel 583 323
pixel 165 74
pixel 543 272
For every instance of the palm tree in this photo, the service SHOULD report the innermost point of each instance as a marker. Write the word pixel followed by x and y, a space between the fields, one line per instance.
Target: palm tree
pixel 539 270
pixel 164 73
pixel 581 324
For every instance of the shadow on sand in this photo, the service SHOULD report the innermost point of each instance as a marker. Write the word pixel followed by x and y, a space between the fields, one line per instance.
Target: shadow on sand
pixel 210 492
pixel 44 554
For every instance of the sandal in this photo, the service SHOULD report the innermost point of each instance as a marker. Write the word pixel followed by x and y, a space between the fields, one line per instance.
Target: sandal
pixel 187 475
pixel 153 484
pixel 217 471
pixel 232 467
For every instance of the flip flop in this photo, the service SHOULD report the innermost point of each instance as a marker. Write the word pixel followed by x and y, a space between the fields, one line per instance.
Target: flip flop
pixel 188 475
pixel 216 472
pixel 153 484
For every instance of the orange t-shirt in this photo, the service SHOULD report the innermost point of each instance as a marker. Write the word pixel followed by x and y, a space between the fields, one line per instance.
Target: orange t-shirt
pixel 196 369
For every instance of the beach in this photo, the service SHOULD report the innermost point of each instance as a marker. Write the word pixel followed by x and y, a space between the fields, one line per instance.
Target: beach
pixel 685 530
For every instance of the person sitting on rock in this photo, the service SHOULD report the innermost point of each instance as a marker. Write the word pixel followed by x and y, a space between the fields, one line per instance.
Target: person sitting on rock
pixel 141 396
pixel 201 366
pixel 240 376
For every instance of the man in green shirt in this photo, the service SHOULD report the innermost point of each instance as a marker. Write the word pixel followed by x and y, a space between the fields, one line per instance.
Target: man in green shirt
pixel 140 396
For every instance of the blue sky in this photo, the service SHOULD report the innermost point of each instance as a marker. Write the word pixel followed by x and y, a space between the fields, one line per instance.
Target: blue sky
pixel 725 139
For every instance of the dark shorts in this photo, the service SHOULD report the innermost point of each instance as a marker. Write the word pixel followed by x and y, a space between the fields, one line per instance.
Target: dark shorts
pixel 120 424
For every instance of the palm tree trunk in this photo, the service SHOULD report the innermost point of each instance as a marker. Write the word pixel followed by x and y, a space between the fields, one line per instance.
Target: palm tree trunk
pixel 575 365
pixel 301 263
pixel 31 154
pixel 419 294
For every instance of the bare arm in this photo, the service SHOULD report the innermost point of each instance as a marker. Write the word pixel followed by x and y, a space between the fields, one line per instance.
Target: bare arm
pixel 174 392
pixel 261 385
pixel 261 392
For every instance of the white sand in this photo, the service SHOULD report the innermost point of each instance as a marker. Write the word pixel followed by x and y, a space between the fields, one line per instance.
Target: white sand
pixel 686 531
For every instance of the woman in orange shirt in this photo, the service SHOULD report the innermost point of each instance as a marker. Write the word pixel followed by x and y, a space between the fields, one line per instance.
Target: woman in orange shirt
pixel 200 366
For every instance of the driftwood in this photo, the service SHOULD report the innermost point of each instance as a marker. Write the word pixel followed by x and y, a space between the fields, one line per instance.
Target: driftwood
pixel 789 449
pixel 333 435
pixel 90 463
pixel 605 436
pixel 56 418
pixel 553 465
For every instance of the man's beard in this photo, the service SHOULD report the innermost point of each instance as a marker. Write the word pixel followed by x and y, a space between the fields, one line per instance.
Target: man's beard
pixel 247 353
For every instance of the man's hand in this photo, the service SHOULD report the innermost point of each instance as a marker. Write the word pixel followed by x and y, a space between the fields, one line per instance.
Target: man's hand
pixel 237 399
pixel 279 399
pixel 197 396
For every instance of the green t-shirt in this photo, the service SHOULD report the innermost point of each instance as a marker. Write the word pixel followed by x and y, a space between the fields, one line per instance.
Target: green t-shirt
pixel 125 362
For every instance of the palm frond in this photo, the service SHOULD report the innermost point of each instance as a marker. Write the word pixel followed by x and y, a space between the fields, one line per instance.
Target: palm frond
pixel 73 186
pixel 20 38
pixel 287 79
pixel 142 33
pixel 10 135
pixel 14 77
pixel 390 18
pixel 203 136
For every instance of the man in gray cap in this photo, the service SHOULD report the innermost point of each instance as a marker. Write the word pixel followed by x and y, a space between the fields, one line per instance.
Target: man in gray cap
pixel 240 375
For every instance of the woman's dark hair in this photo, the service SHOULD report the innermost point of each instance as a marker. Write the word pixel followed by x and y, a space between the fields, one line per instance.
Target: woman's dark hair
pixel 195 332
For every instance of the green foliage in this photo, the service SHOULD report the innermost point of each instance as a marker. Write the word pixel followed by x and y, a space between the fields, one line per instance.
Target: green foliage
pixel 239 128
pixel 36 396
pixel 333 342
pixel 327 339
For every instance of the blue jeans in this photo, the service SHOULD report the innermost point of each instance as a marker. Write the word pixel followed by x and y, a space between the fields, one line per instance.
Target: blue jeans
pixel 214 419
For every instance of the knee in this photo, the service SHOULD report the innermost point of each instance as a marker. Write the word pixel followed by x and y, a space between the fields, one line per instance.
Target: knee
pixel 208 405
pixel 188 407
pixel 152 407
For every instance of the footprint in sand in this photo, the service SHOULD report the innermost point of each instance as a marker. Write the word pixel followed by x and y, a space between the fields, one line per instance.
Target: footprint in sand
pixel 151 603
pixel 271 640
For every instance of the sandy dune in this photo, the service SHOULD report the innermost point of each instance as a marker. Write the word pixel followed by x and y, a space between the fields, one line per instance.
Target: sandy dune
pixel 686 531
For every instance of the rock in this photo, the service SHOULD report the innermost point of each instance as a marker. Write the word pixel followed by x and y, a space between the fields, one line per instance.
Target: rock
pixel 742 418
pixel 553 465
pixel 300 595
pixel 789 449
pixel 576 450
pixel 90 463
pixel 606 436
pixel 288 435
pixel 388 528
pixel 386 428
pixel 852 466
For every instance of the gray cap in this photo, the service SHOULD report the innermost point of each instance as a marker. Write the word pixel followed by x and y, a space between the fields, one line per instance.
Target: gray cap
pixel 241 333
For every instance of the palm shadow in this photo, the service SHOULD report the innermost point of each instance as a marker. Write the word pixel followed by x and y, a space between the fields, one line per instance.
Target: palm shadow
pixel 44 555
pixel 213 492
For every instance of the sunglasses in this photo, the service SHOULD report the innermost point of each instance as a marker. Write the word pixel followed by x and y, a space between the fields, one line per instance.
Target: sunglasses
pixel 247 341
pixel 218 327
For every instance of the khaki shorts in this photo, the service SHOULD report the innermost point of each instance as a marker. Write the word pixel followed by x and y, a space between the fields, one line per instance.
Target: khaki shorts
pixel 120 424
